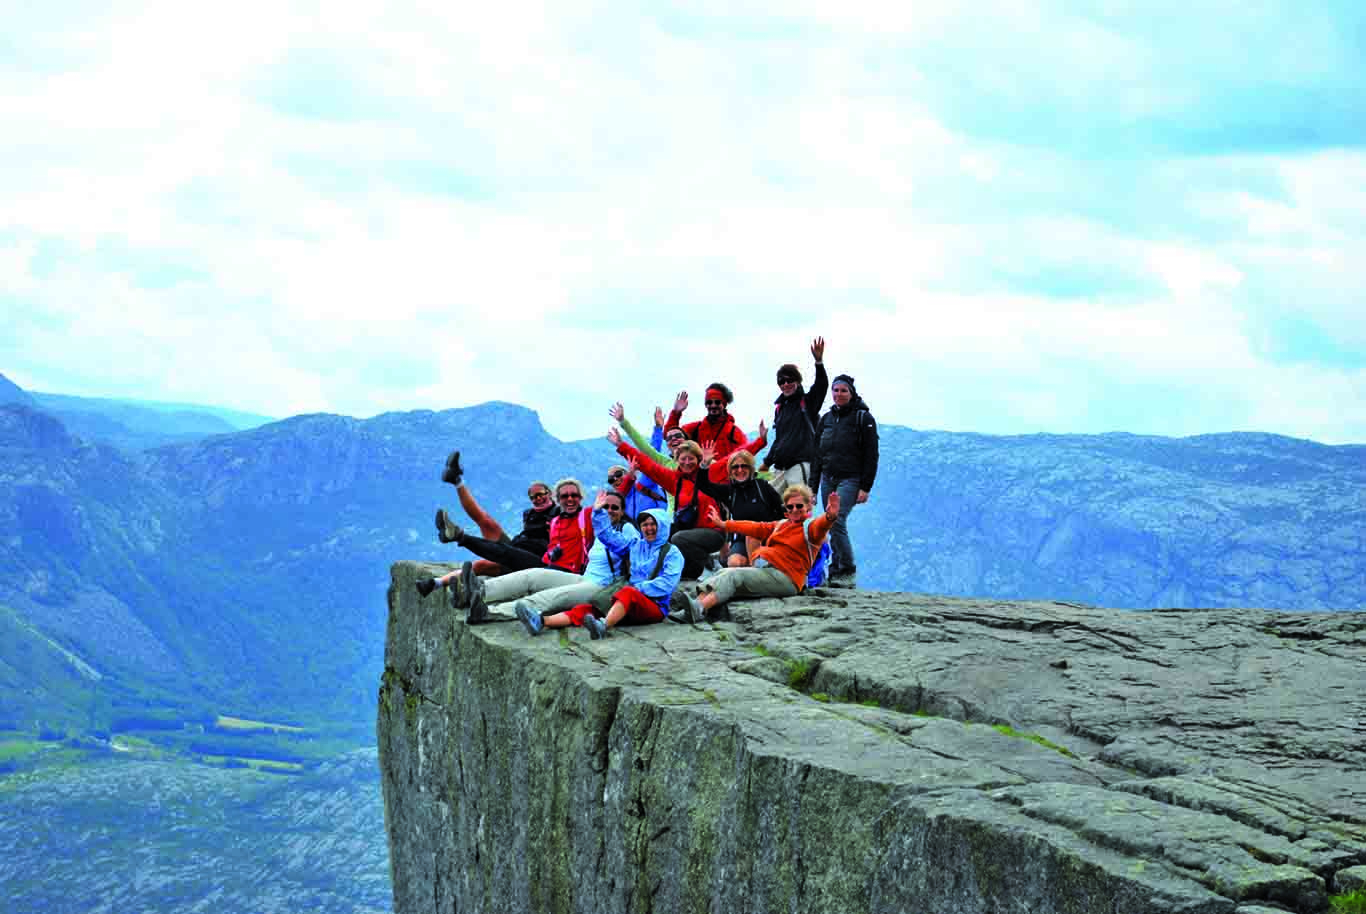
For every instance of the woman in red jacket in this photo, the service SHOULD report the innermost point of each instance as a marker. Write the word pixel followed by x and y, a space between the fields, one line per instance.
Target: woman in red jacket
pixel 695 536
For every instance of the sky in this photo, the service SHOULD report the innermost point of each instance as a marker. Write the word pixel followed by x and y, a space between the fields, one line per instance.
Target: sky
pixel 1002 217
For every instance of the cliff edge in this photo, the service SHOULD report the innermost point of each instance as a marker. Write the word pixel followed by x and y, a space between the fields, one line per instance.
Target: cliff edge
pixel 850 751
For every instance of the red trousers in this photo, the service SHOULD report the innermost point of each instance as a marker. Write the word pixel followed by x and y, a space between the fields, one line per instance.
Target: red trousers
pixel 640 609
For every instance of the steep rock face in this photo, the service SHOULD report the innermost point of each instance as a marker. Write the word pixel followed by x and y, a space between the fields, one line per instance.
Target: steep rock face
pixel 875 752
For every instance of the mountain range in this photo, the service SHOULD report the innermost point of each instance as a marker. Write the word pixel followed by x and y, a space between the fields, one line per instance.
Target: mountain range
pixel 243 572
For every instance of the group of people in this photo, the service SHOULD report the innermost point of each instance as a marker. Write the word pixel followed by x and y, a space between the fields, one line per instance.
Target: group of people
pixel 692 502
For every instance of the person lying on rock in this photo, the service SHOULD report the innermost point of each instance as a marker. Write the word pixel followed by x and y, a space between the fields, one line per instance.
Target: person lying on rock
pixel 571 536
pixel 544 590
pixel 654 569
pixel 535 535
pixel 780 566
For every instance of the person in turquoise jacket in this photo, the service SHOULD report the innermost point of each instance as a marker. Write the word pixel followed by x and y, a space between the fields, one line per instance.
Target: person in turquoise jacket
pixel 656 567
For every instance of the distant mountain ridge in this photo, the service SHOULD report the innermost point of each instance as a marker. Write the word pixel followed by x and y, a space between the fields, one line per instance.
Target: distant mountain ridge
pixel 244 572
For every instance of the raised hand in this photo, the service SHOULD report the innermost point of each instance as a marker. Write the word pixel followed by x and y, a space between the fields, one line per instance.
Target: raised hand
pixel 708 453
pixel 681 402
pixel 632 466
pixel 617 412
pixel 601 501
pixel 832 504
pixel 614 436
pixel 659 417
pixel 818 349
pixel 763 430
pixel 713 516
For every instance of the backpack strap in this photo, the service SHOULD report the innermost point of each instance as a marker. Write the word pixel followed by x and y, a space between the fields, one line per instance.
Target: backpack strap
pixel 807 416
pixel 806 537
pixel 659 562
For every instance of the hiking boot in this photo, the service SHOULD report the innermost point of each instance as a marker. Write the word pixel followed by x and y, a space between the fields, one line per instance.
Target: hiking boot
pixel 693 612
pixel 597 629
pixel 425 586
pixel 530 618
pixel 477 610
pixel 842 579
pixel 446 530
pixel 453 474
pixel 467 579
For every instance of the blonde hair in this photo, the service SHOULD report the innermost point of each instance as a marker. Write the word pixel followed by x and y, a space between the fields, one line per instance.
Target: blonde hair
pixel 692 447
pixel 568 481
pixel 799 489
pixel 744 457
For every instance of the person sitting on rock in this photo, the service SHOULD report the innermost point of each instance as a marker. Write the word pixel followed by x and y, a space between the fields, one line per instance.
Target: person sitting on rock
pixel 535 535
pixel 693 536
pixel 745 497
pixel 571 536
pixel 654 570
pixel 780 566
pixel 718 429
pixel 544 590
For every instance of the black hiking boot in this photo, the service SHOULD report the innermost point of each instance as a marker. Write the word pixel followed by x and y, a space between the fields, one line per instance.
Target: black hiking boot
pixel 453 474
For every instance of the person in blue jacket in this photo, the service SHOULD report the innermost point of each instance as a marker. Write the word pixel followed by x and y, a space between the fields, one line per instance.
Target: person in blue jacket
pixel 656 567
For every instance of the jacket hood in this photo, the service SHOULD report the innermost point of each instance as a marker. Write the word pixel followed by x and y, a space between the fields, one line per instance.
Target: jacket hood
pixel 663 518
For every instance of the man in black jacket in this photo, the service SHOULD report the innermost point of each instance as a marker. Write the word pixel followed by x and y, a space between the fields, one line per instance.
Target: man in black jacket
pixel 846 462
pixel 795 414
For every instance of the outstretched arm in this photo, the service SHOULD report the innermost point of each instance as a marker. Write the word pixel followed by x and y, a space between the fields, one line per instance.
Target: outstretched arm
pixel 650 446
pixel 680 405
pixel 821 525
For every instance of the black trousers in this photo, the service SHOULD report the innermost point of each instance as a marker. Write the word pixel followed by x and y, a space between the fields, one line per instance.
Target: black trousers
pixel 505 554
pixel 695 545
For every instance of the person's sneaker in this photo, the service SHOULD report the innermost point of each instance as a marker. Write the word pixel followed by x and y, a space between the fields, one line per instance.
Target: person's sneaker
pixel 425 586
pixel 530 618
pixel 693 612
pixel 453 474
pixel 446 530
pixel 597 629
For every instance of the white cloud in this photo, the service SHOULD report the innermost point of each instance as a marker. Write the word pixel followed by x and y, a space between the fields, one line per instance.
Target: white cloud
pixel 564 207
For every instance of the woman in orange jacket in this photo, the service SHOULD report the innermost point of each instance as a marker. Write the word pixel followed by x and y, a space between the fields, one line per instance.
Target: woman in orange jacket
pixel 780 566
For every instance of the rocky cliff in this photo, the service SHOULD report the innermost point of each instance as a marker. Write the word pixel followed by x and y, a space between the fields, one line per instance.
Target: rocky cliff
pixel 860 751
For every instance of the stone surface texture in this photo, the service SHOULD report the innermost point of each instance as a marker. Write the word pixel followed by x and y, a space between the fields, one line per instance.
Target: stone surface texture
pixel 855 751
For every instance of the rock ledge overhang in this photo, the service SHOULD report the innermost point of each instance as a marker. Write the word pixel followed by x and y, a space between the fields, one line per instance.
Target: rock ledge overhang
pixel 860 751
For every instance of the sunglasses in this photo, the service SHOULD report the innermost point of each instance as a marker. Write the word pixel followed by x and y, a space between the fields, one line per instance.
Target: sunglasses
pixel 714 402
pixel 611 507
pixel 675 438
pixel 795 506
pixel 785 381
pixel 537 496
pixel 741 466
pixel 613 477
pixel 563 495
